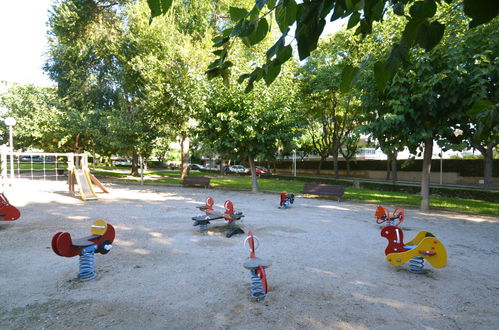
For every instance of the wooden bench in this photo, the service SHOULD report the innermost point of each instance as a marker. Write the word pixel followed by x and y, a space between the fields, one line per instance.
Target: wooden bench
pixel 323 189
pixel 196 181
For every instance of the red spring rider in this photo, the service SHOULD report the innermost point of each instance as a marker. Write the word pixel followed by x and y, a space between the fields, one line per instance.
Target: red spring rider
pixel 8 212
pixel 100 241
pixel 382 215
pixel 256 267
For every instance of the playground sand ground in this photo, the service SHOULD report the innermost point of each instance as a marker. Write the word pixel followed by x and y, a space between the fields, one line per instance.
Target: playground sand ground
pixel 329 269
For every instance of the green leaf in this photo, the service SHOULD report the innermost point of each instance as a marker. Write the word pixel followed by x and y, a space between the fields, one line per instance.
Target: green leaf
pixel 213 73
pixel 247 27
pixel 481 11
pixel 353 20
pixel 377 10
pixel 158 7
pixel 398 9
pixel 260 4
pixel 259 33
pixel 429 35
pixel 381 75
pixel 285 14
pixel 237 14
pixel 221 41
pixel 284 54
pixel 243 77
pixel 480 107
pixel 347 75
pixel 270 72
pixel 339 11
pixel 423 9
pixel 307 36
pixel 276 47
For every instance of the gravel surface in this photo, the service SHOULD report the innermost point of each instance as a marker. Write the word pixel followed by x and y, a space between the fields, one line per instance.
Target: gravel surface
pixel 328 265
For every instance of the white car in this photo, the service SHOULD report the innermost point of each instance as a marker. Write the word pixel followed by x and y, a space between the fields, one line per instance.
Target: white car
pixel 236 169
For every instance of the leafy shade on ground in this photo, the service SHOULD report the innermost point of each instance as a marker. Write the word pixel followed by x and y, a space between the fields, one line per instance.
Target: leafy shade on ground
pixel 354 194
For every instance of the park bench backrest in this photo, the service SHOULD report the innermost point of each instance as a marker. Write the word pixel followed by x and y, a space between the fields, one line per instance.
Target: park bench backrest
pixel 323 189
pixel 196 181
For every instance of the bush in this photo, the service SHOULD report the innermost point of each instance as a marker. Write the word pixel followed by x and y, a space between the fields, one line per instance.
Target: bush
pixel 484 195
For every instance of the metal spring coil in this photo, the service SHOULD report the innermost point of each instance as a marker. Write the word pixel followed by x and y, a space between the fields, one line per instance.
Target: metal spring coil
pixel 257 291
pixel 416 265
pixel 87 271
pixel 203 227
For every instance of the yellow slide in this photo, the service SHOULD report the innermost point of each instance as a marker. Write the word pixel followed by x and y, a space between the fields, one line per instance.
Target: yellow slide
pixel 85 185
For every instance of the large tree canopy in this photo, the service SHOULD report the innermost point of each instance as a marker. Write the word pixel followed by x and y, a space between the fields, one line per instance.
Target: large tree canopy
pixel 423 27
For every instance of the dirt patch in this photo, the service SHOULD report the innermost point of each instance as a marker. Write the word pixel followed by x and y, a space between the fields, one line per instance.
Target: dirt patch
pixel 328 272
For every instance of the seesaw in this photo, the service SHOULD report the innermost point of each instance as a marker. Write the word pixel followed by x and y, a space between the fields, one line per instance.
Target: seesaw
pixel 256 266
pixel 8 212
pixel 210 215
pixel 383 215
pixel 423 246
pixel 286 200
pixel 100 241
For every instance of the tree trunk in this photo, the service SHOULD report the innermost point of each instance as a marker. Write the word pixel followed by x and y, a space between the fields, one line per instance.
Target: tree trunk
pixel 254 182
pixel 425 174
pixel 488 168
pixel 348 167
pixel 184 149
pixel 394 169
pixel 388 168
pixel 335 166
pixel 320 165
pixel 222 167
pixel 135 164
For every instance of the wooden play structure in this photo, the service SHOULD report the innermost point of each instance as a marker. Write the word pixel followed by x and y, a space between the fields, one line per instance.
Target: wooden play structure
pixel 382 215
pixel 423 246
pixel 210 215
pixel 82 177
pixel 256 266
pixel 51 166
pixel 100 240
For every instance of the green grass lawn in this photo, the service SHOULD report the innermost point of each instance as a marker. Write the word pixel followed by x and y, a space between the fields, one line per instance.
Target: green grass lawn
pixel 362 195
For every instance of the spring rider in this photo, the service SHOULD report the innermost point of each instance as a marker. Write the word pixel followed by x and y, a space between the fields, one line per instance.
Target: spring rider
pixel 382 215
pixel 256 266
pixel 100 241
pixel 228 215
pixel 423 246
pixel 286 200
pixel 8 212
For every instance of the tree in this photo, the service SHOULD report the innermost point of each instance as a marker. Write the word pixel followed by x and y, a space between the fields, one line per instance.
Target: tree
pixel 324 98
pixel 423 28
pixel 247 126
pixel 37 111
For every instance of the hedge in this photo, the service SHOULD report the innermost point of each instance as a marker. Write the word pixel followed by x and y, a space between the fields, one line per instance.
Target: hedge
pixel 484 195
pixel 464 167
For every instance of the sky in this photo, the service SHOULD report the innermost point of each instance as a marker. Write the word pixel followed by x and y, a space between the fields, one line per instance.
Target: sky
pixel 23 40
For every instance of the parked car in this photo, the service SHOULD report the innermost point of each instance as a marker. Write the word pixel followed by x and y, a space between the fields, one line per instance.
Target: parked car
pixel 235 169
pixel 261 170
pixel 122 162
pixel 197 167
pixel 37 158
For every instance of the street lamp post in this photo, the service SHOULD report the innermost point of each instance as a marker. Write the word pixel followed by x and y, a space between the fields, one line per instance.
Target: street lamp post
pixel 10 122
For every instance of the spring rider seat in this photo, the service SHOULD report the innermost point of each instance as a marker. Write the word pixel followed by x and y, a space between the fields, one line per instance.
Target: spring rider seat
pixel 382 215
pixel 256 266
pixel 8 212
pixel 423 246
pixel 100 241
pixel 286 200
